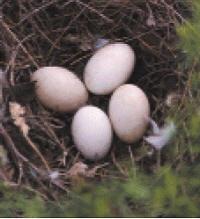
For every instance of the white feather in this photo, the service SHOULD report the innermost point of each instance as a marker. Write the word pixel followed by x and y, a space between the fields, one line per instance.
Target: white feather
pixel 160 136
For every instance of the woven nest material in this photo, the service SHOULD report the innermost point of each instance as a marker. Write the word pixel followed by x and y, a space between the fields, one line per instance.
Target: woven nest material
pixel 64 33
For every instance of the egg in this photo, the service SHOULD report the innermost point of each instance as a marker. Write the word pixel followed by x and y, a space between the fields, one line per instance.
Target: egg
pixel 108 68
pixel 59 89
pixel 92 132
pixel 129 112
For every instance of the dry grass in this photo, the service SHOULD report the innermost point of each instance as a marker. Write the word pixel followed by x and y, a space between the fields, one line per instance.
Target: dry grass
pixel 38 33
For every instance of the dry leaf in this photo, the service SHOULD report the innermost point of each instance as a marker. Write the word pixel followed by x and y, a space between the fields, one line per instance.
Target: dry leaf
pixel 17 113
pixel 81 169
pixel 78 169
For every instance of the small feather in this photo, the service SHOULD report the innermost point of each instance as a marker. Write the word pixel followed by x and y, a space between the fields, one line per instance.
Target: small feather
pixel 155 127
pixel 100 42
pixel 159 139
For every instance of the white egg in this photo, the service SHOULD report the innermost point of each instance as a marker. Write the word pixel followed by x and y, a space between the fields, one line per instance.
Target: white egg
pixel 129 111
pixel 109 67
pixel 92 132
pixel 59 89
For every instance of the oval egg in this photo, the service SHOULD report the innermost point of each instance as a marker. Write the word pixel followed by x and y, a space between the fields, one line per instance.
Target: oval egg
pixel 108 68
pixel 92 132
pixel 129 111
pixel 59 89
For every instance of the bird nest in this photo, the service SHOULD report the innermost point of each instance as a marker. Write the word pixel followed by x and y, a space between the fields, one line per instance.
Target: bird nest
pixel 64 33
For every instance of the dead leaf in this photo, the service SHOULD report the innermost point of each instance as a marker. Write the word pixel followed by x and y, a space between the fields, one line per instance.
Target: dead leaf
pixel 78 169
pixel 17 114
pixel 82 169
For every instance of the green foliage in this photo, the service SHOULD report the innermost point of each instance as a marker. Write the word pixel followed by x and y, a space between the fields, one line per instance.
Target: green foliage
pixel 165 194
pixel 189 33
pixel 170 198
pixel 19 203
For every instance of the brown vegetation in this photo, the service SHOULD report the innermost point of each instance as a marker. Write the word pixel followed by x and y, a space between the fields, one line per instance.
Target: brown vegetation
pixel 63 33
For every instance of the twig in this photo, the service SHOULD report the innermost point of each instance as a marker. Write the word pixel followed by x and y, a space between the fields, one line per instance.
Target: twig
pixel 64 31
pixel 34 147
pixel 118 165
pixel 21 157
pixel 11 145
pixel 132 160
pixel 11 62
pixel 95 11
pixel 37 10
pixel 19 42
